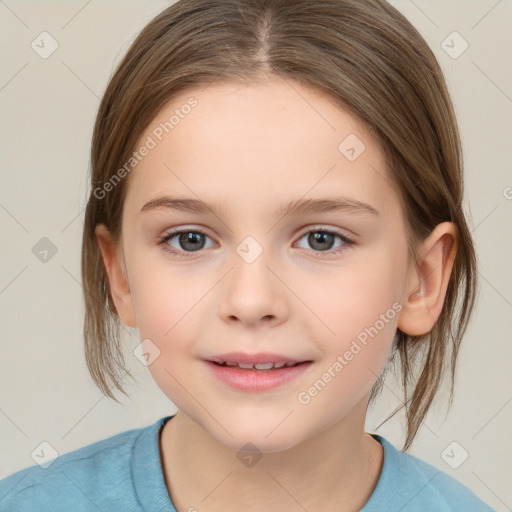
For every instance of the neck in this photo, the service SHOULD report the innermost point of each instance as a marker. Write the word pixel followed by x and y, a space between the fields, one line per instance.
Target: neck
pixel 200 472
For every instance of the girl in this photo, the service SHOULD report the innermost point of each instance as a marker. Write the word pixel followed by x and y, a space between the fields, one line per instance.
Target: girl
pixel 276 206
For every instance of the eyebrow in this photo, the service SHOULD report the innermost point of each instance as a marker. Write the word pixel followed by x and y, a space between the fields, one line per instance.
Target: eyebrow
pixel 295 207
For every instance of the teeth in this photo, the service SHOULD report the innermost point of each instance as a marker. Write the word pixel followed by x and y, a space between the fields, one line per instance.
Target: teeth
pixel 258 366
pixel 264 366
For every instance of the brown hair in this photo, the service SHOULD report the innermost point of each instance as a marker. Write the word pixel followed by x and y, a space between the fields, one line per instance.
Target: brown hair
pixel 365 56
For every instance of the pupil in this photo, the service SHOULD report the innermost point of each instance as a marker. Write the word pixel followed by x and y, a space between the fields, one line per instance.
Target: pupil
pixel 195 239
pixel 318 240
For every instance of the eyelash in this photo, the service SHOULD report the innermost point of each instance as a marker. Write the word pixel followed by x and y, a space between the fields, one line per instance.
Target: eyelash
pixel 347 242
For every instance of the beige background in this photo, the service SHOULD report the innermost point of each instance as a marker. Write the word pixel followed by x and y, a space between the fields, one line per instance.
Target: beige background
pixel 47 110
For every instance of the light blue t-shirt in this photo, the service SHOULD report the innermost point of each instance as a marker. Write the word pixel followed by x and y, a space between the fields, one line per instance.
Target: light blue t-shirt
pixel 123 473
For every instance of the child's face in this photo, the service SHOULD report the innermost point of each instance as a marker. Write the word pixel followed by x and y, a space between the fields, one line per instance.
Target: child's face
pixel 250 150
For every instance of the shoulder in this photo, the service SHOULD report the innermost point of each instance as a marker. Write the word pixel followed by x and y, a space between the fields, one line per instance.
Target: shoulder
pixel 96 475
pixel 414 485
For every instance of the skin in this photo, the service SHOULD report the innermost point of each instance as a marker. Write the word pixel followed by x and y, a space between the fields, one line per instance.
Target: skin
pixel 253 148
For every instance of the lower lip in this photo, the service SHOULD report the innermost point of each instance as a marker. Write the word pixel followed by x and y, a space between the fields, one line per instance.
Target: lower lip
pixel 255 381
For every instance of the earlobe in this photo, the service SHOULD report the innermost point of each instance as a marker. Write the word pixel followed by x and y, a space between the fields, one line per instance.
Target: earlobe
pixel 117 277
pixel 424 300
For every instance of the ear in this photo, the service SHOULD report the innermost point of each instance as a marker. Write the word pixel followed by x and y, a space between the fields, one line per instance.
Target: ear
pixel 427 284
pixel 117 277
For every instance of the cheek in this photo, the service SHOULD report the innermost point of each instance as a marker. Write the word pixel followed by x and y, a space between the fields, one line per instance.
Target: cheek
pixel 356 314
pixel 170 312
pixel 362 323
pixel 346 301
pixel 166 297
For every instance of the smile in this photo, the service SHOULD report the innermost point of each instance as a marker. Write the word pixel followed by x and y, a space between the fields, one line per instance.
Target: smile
pixel 256 366
pixel 257 377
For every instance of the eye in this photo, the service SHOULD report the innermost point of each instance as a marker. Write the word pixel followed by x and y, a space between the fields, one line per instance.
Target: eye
pixel 186 241
pixel 323 240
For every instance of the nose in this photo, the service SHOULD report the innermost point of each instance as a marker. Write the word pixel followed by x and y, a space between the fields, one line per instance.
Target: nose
pixel 253 293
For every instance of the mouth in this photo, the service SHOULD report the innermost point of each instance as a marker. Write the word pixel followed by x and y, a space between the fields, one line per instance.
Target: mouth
pixel 259 366
pixel 263 374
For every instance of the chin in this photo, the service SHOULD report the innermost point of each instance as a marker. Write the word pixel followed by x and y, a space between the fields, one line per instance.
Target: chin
pixel 266 436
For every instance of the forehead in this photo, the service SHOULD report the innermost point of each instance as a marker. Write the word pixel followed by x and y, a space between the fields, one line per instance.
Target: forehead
pixel 255 145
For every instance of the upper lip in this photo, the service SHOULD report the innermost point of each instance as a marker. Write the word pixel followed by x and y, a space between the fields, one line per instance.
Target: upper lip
pixel 259 358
